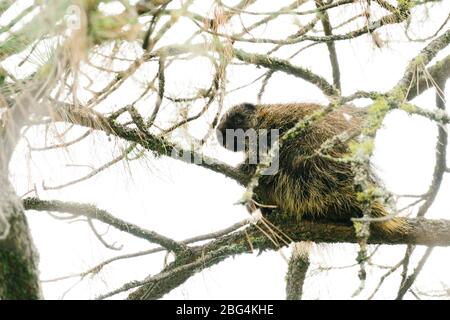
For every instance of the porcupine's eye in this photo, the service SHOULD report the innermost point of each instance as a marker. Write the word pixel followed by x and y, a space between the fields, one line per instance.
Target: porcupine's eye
pixel 239 122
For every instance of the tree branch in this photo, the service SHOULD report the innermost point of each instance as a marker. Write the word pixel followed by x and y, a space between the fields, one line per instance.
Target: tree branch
pixel 92 212
pixel 158 145
pixel 421 232
pixel 328 31
pixel 297 270
pixel 288 68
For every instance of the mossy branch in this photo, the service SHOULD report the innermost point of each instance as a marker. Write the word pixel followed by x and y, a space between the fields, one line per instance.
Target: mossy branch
pixel 195 258
pixel 421 232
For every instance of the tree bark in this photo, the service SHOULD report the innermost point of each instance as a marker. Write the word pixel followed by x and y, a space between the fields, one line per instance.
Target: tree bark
pixel 297 269
pixel 19 275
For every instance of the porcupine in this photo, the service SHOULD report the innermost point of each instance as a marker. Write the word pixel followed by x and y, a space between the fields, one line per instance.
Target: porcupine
pixel 307 185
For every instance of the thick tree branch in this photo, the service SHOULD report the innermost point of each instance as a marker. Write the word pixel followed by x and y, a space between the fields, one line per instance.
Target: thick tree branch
pixel 19 273
pixel 158 145
pixel 421 232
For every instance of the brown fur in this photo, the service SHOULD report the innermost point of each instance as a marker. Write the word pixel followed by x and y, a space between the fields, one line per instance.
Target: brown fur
pixel 308 185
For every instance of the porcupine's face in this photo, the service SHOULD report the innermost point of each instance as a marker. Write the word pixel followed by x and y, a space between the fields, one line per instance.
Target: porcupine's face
pixel 233 131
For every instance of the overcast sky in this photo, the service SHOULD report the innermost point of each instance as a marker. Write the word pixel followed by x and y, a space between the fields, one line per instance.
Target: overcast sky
pixel 180 200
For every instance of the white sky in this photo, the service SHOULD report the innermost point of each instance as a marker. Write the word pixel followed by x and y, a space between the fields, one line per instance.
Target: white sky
pixel 180 200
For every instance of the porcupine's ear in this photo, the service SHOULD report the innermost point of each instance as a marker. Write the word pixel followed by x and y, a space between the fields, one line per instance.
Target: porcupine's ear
pixel 241 115
pixel 238 117
pixel 250 107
